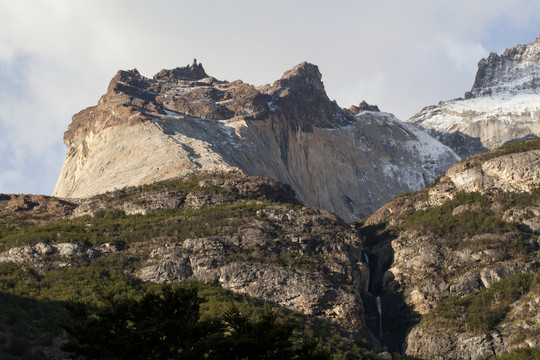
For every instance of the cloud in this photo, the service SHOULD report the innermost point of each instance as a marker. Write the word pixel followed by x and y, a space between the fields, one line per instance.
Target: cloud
pixel 57 56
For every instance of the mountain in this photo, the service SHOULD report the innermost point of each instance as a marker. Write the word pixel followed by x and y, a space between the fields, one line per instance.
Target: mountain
pixel 183 121
pixel 502 106
pixel 464 256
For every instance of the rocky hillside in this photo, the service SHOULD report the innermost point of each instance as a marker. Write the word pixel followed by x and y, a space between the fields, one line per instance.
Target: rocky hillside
pixel 502 106
pixel 183 121
pixel 449 272
pixel 464 255
pixel 244 234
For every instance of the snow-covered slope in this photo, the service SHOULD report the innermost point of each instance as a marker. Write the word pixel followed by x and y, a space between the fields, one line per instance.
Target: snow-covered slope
pixel 182 121
pixel 502 106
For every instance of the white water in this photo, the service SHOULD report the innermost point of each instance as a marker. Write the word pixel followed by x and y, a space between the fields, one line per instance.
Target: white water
pixel 366 259
pixel 379 309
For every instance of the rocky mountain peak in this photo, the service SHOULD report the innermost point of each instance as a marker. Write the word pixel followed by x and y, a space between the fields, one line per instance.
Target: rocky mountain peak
pixel 304 75
pixel 363 106
pixel 191 72
pixel 523 53
pixel 300 96
pixel 127 82
pixel 515 71
pixel 502 107
pixel 145 130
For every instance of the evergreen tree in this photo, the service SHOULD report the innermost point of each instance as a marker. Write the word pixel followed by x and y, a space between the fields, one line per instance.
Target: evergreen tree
pixel 167 325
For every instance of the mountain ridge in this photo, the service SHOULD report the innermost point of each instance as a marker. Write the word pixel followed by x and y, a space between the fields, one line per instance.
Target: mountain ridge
pixel 144 130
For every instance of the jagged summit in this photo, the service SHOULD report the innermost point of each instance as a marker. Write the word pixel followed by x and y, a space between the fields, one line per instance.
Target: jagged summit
pixel 183 121
pixel 300 96
pixel 503 105
pixel 303 75
pixel 191 72
pixel 363 106
pixel 516 70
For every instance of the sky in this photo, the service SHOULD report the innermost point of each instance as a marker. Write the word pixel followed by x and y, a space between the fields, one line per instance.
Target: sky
pixel 58 56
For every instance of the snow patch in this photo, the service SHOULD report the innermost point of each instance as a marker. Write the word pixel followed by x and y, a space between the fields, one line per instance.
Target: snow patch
pixel 449 114
pixel 170 112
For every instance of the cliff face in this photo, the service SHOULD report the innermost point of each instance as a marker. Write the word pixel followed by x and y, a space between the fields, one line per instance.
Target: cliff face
pixel 515 71
pixel 183 121
pixel 502 106
pixel 464 256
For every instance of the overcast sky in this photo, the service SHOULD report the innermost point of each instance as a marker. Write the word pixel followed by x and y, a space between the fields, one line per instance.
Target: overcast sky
pixel 58 56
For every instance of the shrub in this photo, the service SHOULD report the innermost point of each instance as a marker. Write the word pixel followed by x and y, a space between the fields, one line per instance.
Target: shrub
pixel 483 311
pixel 452 229
pixel 519 354
pixel 115 225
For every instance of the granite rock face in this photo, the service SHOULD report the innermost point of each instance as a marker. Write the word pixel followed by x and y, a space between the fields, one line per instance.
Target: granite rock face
pixel 509 173
pixel 183 121
pixel 515 71
pixel 503 105
pixel 331 292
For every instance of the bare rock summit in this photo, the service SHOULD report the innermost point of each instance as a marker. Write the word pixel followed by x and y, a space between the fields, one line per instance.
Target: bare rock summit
pixel 183 121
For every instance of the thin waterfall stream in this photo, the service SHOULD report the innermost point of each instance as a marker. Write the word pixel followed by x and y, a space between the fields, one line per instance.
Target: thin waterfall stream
pixel 379 309
pixel 377 298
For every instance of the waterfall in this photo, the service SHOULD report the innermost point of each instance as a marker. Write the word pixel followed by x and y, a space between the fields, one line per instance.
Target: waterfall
pixel 378 298
pixel 379 309
pixel 366 259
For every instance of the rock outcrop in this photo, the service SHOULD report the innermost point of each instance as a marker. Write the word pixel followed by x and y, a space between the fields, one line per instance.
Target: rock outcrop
pixel 449 272
pixel 183 121
pixel 37 208
pixel 502 106
pixel 363 106
pixel 508 173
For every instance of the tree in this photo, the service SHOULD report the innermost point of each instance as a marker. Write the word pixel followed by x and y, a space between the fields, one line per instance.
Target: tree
pixel 168 325
pixel 163 325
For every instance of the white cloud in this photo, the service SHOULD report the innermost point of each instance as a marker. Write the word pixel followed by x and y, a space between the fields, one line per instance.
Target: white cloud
pixel 57 56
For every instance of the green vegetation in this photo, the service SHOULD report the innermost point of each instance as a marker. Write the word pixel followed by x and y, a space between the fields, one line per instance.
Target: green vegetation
pixel 485 310
pixel 456 221
pixel 453 228
pixel 190 183
pixel 167 324
pixel 519 354
pixel 33 305
pixel 184 185
pixel 513 148
pixel 516 147
pixel 33 301
pixel 512 199
pixel 116 226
